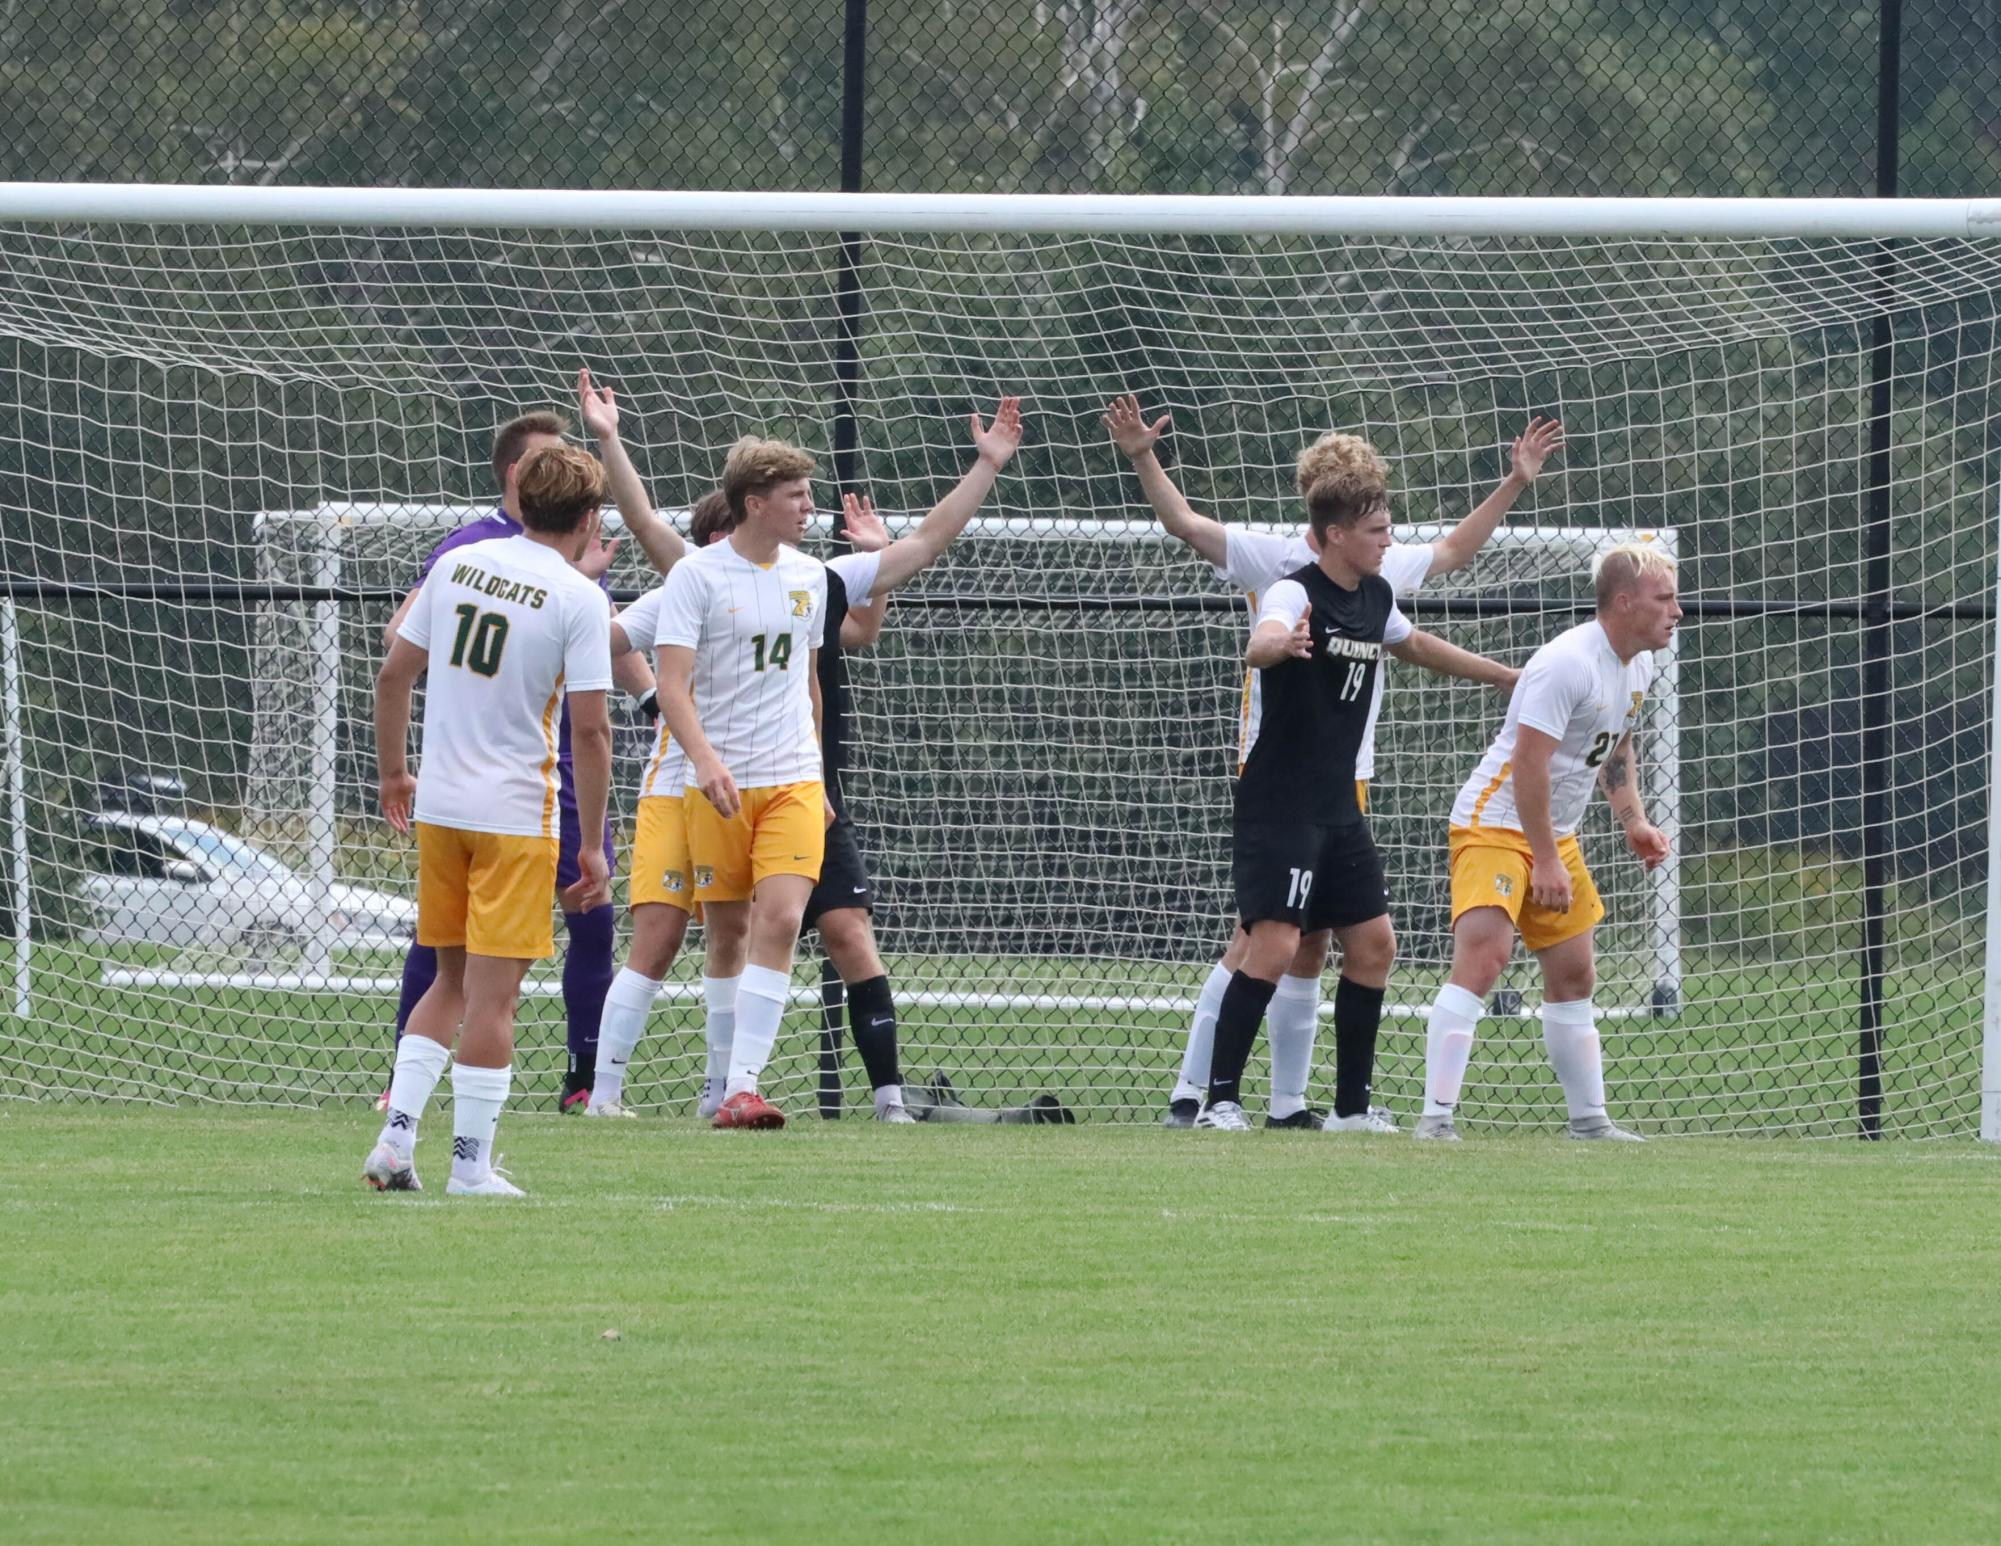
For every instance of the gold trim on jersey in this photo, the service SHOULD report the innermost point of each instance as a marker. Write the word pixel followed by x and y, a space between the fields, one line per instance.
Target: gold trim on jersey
pixel 1493 788
pixel 550 738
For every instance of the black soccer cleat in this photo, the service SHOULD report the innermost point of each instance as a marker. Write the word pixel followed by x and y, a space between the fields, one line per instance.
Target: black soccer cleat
pixel 576 1096
pixel 1307 1118
pixel 1181 1113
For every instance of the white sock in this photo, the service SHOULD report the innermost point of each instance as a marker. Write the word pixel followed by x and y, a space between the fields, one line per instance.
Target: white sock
pixel 1448 1048
pixel 1570 1036
pixel 761 995
pixel 887 1095
pixel 1194 1081
pixel 719 1029
pixel 420 1064
pixel 626 1006
pixel 477 1096
pixel 1292 1022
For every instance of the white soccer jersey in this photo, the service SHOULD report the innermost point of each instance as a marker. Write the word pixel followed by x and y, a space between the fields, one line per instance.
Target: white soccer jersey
pixel 753 628
pixel 666 769
pixel 858 573
pixel 1575 689
pixel 509 627
pixel 1254 561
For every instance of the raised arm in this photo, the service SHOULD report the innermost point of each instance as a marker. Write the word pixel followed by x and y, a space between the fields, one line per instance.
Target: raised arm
pixel 865 532
pixel 661 543
pixel 1456 548
pixel 1442 659
pixel 1136 438
pixel 1620 779
pixel 993 447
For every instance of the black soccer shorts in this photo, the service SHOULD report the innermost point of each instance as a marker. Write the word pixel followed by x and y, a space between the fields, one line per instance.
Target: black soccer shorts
pixel 844 877
pixel 1314 877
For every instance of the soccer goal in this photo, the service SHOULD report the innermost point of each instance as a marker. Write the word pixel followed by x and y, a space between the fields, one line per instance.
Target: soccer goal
pixel 244 415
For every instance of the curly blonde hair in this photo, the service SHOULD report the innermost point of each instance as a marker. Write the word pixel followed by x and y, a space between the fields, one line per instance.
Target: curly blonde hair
pixel 1335 454
pixel 757 466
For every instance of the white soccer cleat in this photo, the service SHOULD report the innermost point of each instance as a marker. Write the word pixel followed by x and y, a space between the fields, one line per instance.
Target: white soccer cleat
pixel 388 1171
pixel 712 1098
pixel 896 1115
pixel 1438 1129
pixel 610 1108
pixel 1374 1120
pixel 1603 1130
pixel 1226 1116
pixel 492 1184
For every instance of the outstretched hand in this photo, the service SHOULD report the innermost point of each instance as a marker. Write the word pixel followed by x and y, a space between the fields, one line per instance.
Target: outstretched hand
pixel 595 561
pixel 998 442
pixel 863 528
pixel 1128 427
pixel 596 407
pixel 1542 438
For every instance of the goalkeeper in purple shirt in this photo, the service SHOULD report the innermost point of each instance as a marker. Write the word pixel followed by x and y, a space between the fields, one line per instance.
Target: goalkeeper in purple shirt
pixel 588 962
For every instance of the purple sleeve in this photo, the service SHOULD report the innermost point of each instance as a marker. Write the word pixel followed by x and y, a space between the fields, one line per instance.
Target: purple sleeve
pixel 484 529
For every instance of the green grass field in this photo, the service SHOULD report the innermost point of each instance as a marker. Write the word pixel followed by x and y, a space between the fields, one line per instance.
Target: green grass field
pixel 847 1332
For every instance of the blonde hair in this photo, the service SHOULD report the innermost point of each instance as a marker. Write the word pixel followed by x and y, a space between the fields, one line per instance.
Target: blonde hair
pixel 756 466
pixel 1344 496
pixel 558 486
pixel 1335 455
pixel 1618 571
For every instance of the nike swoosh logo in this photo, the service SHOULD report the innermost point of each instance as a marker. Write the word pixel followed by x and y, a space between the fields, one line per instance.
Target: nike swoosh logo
pixel 860 889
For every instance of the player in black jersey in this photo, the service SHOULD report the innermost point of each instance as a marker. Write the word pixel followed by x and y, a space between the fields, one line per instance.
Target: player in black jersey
pixel 1303 858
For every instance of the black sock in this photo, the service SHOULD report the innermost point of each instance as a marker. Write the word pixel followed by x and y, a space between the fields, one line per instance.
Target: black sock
pixel 872 1017
pixel 1358 1015
pixel 1237 1022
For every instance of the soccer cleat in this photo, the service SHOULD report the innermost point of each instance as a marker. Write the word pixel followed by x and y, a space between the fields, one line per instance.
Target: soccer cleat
pixel 1181 1113
pixel 747 1108
pixel 896 1115
pixel 575 1099
pixel 712 1099
pixel 492 1184
pixel 1306 1118
pixel 388 1171
pixel 1374 1120
pixel 610 1108
pixel 1226 1116
pixel 1603 1129
pixel 1437 1128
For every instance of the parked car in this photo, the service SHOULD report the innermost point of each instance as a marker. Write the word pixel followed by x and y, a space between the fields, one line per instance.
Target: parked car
pixel 171 880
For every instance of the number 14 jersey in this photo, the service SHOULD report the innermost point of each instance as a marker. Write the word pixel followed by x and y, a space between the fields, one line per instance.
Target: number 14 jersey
pixel 753 628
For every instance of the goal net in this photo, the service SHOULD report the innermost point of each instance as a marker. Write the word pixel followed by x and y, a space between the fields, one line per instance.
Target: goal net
pixel 234 436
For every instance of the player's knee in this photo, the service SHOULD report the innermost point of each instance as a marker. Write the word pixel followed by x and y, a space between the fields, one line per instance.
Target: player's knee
pixel 657 932
pixel 1564 981
pixel 850 944
pixel 1310 959
pixel 1370 952
pixel 1240 944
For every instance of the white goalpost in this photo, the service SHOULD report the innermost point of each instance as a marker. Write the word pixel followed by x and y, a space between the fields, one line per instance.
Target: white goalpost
pixel 246 415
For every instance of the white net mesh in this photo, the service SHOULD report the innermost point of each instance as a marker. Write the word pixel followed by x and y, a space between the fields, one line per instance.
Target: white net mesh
pixel 217 437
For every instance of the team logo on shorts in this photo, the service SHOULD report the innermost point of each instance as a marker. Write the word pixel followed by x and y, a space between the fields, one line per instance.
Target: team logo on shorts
pixel 705 875
pixel 1505 884
pixel 672 880
pixel 802 603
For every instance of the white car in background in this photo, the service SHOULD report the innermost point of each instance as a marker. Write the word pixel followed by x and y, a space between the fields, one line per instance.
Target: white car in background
pixel 170 880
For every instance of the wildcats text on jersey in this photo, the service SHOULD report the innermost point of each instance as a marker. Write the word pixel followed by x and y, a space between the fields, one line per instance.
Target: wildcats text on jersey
pixel 499 587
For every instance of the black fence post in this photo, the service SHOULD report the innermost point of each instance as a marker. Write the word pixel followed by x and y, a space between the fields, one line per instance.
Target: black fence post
pixel 1876 735
pixel 847 438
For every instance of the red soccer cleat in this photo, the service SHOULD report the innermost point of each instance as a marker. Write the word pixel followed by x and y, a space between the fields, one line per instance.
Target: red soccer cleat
pixel 747 1108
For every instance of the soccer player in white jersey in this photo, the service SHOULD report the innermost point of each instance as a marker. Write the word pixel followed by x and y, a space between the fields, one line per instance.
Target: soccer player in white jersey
pixel 740 623
pixel 858 584
pixel 1254 562
pixel 1517 868
pixel 505 632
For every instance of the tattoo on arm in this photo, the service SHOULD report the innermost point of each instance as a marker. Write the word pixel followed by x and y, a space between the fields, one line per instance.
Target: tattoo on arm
pixel 1618 772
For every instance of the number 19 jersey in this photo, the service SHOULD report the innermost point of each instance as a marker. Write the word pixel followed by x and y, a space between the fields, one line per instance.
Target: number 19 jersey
pixel 509 628
pixel 753 628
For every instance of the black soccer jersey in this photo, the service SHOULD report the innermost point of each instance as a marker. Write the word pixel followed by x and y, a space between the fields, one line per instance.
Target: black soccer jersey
pixel 833 668
pixel 1301 766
